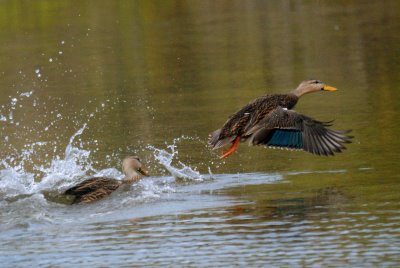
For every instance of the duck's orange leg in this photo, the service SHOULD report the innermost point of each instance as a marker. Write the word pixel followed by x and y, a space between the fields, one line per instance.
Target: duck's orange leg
pixel 231 149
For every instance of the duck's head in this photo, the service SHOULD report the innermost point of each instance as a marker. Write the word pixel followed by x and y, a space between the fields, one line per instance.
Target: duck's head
pixel 133 168
pixel 311 86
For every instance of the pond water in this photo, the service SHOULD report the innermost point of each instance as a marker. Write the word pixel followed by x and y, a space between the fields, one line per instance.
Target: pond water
pixel 84 84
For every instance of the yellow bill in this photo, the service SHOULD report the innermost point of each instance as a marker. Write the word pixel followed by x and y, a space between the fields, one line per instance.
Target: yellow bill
pixel 329 88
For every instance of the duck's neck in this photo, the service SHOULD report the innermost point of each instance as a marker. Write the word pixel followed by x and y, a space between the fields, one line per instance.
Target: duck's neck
pixel 299 91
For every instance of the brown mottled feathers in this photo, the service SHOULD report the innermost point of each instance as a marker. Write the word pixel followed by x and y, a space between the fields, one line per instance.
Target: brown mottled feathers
pixel 249 116
pixel 93 189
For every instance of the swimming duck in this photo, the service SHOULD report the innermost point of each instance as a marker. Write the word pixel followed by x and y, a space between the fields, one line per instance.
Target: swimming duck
pixel 269 121
pixel 96 188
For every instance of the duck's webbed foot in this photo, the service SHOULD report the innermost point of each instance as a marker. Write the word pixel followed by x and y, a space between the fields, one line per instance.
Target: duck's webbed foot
pixel 231 149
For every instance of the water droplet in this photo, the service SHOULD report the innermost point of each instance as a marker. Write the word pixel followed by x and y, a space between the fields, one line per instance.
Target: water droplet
pixel 26 94
pixel 50 60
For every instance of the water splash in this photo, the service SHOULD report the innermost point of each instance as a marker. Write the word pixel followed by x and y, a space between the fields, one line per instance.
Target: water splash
pixel 24 173
pixel 16 181
pixel 180 170
pixel 63 171
pixel 21 183
pixel 35 170
pixel 25 168
pixel 10 109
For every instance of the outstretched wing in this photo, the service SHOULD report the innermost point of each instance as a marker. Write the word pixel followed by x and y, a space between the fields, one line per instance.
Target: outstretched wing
pixel 289 129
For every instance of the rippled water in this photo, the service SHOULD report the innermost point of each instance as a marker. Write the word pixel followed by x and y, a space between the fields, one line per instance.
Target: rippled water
pixel 83 85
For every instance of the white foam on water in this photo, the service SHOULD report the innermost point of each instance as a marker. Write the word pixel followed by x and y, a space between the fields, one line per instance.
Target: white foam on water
pixel 14 182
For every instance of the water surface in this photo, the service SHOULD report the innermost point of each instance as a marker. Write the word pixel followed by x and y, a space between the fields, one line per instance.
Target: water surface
pixel 85 84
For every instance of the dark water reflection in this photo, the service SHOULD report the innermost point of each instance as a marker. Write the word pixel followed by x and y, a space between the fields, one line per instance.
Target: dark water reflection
pixel 149 72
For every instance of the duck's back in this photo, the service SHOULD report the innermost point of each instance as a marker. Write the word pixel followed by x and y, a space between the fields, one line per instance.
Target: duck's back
pixel 93 189
pixel 253 112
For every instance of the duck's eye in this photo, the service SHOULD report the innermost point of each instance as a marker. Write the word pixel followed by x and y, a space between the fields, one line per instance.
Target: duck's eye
pixel 316 82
